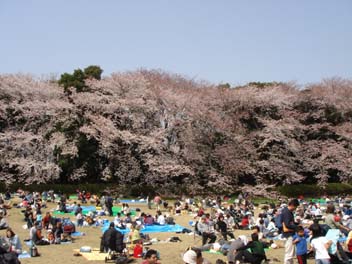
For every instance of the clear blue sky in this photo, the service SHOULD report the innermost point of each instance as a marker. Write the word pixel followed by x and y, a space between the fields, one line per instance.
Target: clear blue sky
pixel 219 41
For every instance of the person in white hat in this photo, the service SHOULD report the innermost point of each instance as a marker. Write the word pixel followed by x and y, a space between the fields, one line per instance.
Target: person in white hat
pixel 190 257
pixel 194 256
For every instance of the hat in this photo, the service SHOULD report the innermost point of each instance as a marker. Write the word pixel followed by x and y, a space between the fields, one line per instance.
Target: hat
pixel 190 257
pixel 244 239
pixel 203 217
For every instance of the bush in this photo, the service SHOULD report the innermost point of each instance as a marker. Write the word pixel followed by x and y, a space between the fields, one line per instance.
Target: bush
pixel 314 190
pixel 62 188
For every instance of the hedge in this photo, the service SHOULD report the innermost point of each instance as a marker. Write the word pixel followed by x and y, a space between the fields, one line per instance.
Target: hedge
pixel 314 190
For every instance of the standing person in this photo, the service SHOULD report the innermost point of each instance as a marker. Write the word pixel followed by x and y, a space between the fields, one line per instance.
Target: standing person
pixel 319 244
pixel 80 219
pixel 300 240
pixel 289 229
pixel 149 203
pixel 157 202
pixel 109 202
pixel 112 239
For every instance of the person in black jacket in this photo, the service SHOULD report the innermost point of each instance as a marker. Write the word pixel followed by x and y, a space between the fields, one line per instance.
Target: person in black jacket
pixel 222 227
pixel 112 240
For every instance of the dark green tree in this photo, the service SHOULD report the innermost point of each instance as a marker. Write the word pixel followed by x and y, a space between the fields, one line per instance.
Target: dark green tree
pixel 66 80
pixel 77 79
pixel 93 71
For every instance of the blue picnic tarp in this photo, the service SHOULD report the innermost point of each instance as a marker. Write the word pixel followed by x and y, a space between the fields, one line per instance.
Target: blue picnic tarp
pixel 132 201
pixel 148 228
pixel 23 255
pixel 162 228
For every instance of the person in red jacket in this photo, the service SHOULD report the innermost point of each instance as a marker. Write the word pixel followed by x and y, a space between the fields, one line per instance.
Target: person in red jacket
pixel 245 222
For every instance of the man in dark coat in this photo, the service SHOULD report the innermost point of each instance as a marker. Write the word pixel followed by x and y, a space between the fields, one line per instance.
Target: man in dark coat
pixel 112 239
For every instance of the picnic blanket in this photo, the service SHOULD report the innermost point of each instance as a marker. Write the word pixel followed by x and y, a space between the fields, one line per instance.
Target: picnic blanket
pixel 86 209
pixel 162 228
pixel 29 243
pixel 24 254
pixel 77 234
pixel 148 229
pixel 133 201
pixel 93 255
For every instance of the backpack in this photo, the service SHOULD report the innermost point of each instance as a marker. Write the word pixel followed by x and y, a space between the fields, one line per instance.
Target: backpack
pixel 68 226
pixel 122 260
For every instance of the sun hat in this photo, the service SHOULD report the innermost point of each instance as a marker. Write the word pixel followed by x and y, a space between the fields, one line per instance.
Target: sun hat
pixel 190 257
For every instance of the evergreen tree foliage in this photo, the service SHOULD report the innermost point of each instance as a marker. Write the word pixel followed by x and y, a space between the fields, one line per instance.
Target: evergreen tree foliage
pixel 77 79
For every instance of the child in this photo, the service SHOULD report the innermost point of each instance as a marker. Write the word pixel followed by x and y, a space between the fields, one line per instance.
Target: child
pixel 80 219
pixel 320 245
pixel 299 239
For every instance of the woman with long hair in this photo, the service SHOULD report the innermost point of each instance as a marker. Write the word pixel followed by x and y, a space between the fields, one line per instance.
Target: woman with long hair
pixel 14 241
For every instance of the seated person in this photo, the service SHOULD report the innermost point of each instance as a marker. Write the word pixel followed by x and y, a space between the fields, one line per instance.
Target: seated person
pixel 169 220
pixel 148 220
pixel 118 221
pixel 51 237
pixel 134 235
pixel 90 220
pixel 58 233
pixel 46 220
pixel 128 218
pixel 13 239
pixel 194 256
pixel 222 227
pixel 271 230
pixel 244 222
pixel 35 234
pixel 240 242
pixel 257 253
pixel 160 218
pixel 207 231
pixel 3 221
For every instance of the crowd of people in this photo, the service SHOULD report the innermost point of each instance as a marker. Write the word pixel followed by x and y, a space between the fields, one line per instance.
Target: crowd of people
pixel 302 226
